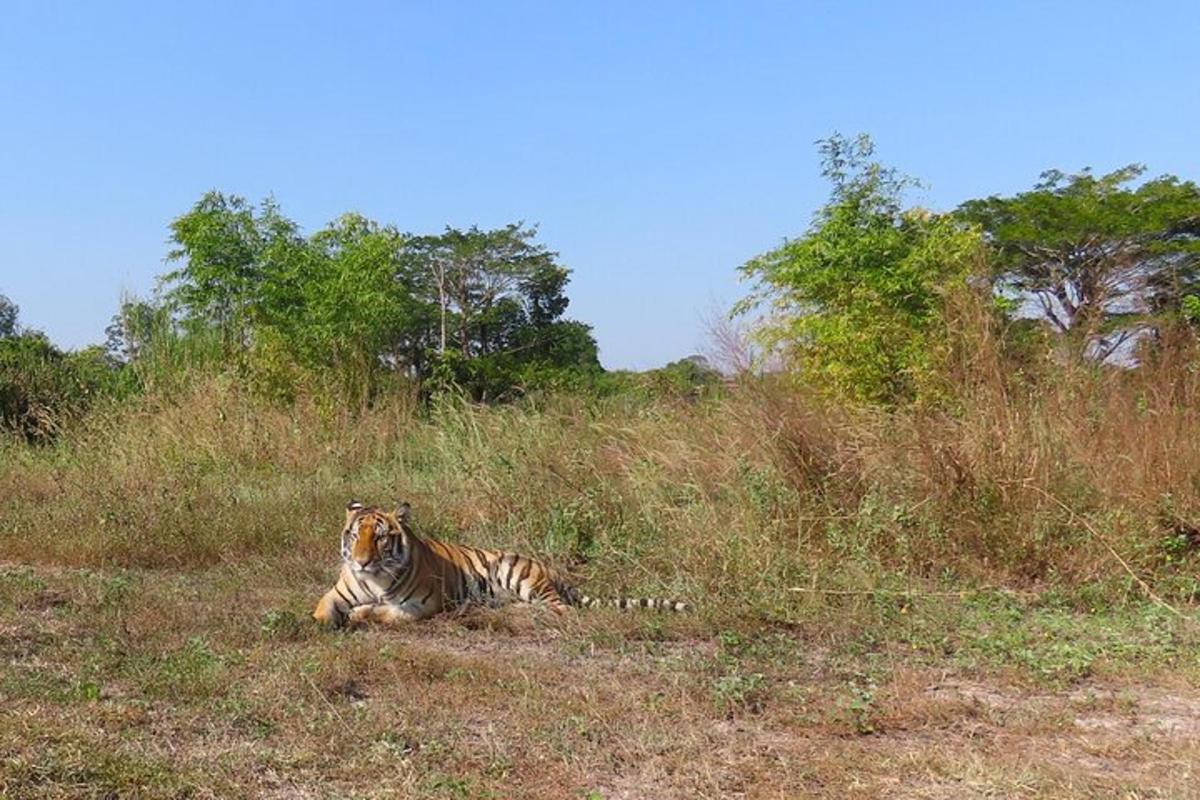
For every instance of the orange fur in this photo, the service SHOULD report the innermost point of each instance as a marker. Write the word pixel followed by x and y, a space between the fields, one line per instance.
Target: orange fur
pixel 390 574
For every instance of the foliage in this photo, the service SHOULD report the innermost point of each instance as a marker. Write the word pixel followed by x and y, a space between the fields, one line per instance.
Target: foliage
pixel 475 309
pixel 1189 307
pixel 480 277
pixel 8 317
pixel 855 301
pixel 500 298
pixel 688 377
pixel 219 244
pixel 40 385
pixel 133 329
pixel 1097 253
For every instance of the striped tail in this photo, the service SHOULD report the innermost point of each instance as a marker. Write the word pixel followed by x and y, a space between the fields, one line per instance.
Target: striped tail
pixel 626 603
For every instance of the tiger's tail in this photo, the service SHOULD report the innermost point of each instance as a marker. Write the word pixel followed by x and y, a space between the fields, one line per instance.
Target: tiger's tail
pixel 629 603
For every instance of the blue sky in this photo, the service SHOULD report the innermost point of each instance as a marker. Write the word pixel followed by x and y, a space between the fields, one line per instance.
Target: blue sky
pixel 658 145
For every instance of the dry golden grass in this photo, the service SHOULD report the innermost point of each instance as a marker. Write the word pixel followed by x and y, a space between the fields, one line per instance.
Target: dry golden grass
pixel 914 603
pixel 735 498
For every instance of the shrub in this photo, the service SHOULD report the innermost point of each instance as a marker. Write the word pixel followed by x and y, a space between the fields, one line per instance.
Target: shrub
pixel 42 386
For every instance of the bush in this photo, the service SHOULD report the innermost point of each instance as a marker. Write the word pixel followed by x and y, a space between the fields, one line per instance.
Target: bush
pixel 857 302
pixel 41 387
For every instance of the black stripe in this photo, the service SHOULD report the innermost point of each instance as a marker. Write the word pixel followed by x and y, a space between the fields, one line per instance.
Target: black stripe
pixel 406 597
pixel 478 562
pixel 344 600
pixel 353 593
pixel 524 574
pixel 509 560
pixel 411 592
pixel 398 580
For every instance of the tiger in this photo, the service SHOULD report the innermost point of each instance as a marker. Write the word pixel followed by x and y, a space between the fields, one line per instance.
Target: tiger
pixel 391 575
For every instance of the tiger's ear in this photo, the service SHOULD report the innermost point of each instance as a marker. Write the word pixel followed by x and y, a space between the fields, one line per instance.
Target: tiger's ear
pixel 353 505
pixel 404 514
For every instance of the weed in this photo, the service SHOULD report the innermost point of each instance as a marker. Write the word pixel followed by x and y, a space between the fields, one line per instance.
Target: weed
pixel 454 788
pixel 193 670
pixel 857 706
pixel 739 691
pixel 280 623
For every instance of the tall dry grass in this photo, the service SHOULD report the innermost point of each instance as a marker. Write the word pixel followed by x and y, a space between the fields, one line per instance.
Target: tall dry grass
pixel 1031 475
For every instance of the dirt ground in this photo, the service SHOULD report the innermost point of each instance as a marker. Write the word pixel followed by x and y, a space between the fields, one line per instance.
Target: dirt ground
pixel 145 685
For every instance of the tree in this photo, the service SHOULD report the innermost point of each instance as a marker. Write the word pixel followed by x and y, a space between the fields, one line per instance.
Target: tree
pixel 354 302
pixel 8 317
pixel 131 330
pixel 488 280
pixel 1097 254
pixel 359 298
pixel 499 298
pixel 854 301
pixel 220 243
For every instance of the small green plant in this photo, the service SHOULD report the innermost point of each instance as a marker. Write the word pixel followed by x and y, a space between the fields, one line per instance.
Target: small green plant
pixel 87 690
pixel 740 691
pixel 280 623
pixel 193 670
pixel 858 705
pixel 455 788
pixel 116 590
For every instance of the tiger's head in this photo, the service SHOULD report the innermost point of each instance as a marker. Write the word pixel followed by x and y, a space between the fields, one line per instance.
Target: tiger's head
pixel 374 540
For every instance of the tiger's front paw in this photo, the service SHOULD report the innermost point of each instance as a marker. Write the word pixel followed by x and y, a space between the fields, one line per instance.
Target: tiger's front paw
pixel 326 614
pixel 361 615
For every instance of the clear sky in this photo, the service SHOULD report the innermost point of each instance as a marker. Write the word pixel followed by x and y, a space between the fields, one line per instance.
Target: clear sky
pixel 658 145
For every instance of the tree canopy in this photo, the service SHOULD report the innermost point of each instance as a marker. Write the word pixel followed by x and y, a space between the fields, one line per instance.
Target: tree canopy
pixel 478 308
pixel 851 301
pixel 8 317
pixel 1096 253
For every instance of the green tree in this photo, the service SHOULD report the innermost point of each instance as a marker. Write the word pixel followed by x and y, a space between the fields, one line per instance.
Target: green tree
pixel 359 299
pixel 132 329
pixel 1098 254
pixel 8 317
pixel 498 297
pixel 220 245
pixel 481 279
pixel 854 302
pixel 355 305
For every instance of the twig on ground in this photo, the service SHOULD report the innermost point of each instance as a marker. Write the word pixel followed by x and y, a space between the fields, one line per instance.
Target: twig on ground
pixel 332 707
pixel 908 592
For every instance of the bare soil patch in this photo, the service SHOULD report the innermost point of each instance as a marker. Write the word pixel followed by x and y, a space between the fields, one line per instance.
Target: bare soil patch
pixel 128 686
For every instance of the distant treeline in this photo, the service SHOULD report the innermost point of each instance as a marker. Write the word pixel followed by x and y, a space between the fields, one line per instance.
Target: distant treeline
pixel 868 303
pixel 871 304
pixel 351 310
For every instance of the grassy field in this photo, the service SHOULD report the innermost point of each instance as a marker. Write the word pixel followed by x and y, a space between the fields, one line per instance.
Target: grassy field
pixel 998 602
pixel 211 683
